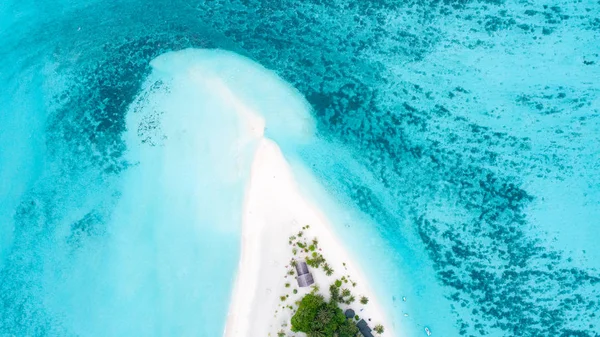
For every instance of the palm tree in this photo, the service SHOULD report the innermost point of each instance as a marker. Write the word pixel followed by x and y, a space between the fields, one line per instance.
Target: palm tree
pixel 317 333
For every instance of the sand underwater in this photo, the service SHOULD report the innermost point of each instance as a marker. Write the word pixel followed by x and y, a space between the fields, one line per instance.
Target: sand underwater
pixel 458 144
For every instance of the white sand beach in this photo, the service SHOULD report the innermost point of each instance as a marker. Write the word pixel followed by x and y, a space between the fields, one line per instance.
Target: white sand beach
pixel 274 210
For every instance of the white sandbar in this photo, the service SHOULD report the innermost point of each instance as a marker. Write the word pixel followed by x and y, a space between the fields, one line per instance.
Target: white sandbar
pixel 274 210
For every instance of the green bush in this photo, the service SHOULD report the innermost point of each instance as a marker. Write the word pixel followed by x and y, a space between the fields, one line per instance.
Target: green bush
pixel 328 270
pixel 306 313
pixel 364 300
pixel 315 317
pixel 328 320
pixel 348 329
pixel 316 260
pixel 378 328
pixel 335 293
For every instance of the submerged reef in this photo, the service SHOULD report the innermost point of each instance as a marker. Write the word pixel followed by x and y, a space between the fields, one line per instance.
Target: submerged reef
pixel 460 111
pixel 396 82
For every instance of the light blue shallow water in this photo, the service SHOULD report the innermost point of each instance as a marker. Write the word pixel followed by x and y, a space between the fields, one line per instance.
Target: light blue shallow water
pixel 459 137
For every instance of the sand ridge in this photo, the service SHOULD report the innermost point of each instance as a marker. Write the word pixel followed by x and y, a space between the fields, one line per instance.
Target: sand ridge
pixel 274 210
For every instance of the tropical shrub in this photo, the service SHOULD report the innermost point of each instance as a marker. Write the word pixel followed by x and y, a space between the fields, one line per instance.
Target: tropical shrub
pixel 335 293
pixel 348 329
pixel 307 312
pixel 317 318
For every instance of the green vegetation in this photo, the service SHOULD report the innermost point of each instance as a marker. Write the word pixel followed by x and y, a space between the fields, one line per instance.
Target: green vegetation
pixel 348 329
pixel 317 318
pixel 378 328
pixel 343 296
pixel 313 314
pixel 328 270
pixel 316 260
pixel 334 291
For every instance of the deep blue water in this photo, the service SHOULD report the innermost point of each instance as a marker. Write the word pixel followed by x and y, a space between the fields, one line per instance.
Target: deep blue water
pixel 464 136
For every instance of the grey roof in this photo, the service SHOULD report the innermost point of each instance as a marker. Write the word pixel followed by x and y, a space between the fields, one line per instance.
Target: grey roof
pixel 305 280
pixel 362 325
pixel 366 333
pixel 364 328
pixel 350 313
pixel 301 268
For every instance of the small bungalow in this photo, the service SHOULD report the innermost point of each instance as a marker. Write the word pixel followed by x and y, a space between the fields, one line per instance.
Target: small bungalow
pixel 350 313
pixel 301 268
pixel 304 278
pixel 364 328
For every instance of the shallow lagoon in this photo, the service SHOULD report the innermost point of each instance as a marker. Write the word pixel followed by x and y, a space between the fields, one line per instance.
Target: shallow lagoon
pixel 469 160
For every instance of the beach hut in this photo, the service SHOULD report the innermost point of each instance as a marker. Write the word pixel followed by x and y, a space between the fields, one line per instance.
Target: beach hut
pixel 301 268
pixel 350 313
pixel 364 328
pixel 304 278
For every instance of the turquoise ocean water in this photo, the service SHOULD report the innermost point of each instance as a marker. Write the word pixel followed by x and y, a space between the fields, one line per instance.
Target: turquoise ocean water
pixel 457 150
